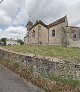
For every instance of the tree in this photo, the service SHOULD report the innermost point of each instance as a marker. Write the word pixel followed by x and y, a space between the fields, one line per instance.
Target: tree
pixel 4 40
pixel 20 41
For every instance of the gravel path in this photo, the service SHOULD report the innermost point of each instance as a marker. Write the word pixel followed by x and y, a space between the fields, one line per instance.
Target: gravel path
pixel 11 82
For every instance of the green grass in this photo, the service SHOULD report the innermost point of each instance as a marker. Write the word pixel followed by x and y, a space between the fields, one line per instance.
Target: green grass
pixel 65 81
pixel 52 51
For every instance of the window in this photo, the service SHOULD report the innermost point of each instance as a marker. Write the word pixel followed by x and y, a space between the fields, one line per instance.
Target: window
pixel 74 36
pixel 33 33
pixel 53 33
pixel 39 30
pixel 39 27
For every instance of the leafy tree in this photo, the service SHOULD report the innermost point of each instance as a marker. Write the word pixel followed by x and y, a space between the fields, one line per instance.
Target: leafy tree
pixel 20 41
pixel 4 40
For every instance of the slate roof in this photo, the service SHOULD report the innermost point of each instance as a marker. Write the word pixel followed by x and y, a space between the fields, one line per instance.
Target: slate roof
pixel 50 25
pixel 39 22
pixel 57 22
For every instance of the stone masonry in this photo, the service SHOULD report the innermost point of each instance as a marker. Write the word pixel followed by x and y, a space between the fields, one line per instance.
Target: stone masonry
pixel 44 65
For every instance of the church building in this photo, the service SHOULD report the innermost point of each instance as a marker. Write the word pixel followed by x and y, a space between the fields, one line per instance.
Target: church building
pixel 56 33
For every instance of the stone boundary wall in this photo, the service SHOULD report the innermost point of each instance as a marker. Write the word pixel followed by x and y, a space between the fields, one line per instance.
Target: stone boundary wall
pixel 43 65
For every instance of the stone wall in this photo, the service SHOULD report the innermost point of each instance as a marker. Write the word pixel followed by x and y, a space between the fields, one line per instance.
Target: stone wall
pixel 40 65
pixel 41 36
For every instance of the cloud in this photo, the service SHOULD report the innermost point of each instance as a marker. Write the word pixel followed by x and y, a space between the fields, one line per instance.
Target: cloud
pixel 45 9
pixel 73 12
pixel 16 13
pixel 9 9
pixel 13 32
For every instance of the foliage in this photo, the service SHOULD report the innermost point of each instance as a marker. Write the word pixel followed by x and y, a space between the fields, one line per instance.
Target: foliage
pixel 20 41
pixel 65 81
pixel 3 40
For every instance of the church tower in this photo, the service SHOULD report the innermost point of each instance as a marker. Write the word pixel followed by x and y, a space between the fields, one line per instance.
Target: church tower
pixel 29 25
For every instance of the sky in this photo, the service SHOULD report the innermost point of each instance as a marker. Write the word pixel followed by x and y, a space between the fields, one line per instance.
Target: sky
pixel 14 14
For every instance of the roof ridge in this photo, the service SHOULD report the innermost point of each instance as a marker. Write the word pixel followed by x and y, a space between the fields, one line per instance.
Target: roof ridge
pixel 51 24
pixel 39 22
pixel 60 20
pixel 72 26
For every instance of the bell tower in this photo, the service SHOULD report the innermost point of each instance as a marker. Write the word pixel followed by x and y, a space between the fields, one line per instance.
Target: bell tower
pixel 29 24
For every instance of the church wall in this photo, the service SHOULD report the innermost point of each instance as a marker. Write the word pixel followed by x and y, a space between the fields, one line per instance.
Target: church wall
pixel 57 40
pixel 41 36
pixel 44 36
pixel 33 40
pixel 70 40
pixel 44 31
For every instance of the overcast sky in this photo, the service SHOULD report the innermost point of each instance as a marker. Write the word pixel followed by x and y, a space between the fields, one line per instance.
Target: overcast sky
pixel 14 14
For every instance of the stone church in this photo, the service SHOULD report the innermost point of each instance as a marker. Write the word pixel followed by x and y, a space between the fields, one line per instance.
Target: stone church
pixel 56 33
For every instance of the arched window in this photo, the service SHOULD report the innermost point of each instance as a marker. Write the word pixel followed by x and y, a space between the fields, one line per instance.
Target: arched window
pixel 33 33
pixel 53 33
pixel 74 35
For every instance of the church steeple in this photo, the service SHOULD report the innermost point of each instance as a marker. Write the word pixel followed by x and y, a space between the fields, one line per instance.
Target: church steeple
pixel 29 24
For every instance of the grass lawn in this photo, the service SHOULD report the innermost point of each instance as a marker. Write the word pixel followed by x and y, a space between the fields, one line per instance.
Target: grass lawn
pixel 52 51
